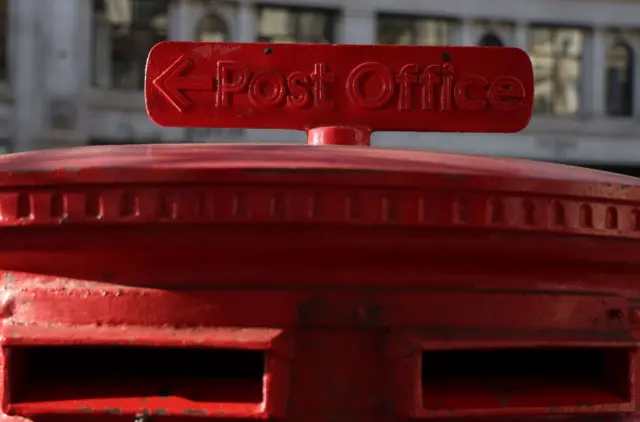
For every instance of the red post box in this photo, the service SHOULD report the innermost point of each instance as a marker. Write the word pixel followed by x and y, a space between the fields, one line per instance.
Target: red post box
pixel 325 282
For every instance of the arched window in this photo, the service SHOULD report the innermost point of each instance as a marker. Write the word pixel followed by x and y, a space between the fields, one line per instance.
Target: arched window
pixel 490 40
pixel 620 80
pixel 213 29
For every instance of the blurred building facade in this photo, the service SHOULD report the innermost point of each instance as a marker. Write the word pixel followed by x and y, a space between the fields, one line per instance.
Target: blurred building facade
pixel 71 71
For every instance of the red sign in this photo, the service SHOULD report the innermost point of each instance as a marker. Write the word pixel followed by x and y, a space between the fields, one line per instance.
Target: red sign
pixel 303 86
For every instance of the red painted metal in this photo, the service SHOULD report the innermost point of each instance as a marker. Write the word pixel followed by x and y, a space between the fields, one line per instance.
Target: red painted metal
pixel 315 282
pixel 313 86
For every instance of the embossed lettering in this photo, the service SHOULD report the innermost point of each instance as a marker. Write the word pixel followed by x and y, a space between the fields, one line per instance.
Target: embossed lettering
pixel 369 85
pixel 506 93
pixel 321 78
pixel 461 93
pixel 430 79
pixel 266 89
pixel 406 78
pixel 445 93
pixel 232 78
pixel 355 85
pixel 298 87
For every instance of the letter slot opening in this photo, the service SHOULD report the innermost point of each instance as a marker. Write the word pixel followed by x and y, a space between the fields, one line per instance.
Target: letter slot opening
pixel 526 378
pixel 49 376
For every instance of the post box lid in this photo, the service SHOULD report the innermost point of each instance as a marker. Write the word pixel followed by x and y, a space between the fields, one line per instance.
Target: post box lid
pixel 525 195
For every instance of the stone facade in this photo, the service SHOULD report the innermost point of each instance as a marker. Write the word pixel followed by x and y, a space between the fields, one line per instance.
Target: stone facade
pixel 51 98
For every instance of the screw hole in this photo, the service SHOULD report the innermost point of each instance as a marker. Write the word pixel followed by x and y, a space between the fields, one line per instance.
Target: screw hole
pixel 446 57
pixel 268 50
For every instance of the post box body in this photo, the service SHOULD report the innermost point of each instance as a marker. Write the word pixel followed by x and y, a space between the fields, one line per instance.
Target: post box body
pixel 302 283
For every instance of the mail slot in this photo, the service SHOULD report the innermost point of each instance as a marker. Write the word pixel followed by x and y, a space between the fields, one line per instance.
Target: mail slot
pixel 43 374
pixel 238 372
pixel 526 377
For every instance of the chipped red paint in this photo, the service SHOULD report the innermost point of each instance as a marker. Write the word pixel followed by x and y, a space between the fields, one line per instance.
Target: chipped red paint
pixel 314 283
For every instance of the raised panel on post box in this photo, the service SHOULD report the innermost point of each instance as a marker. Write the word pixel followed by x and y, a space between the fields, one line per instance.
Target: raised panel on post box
pixel 550 358
pixel 523 378
pixel 202 372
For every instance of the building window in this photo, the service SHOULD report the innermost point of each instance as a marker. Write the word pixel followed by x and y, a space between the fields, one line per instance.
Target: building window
pixel 286 24
pixel 3 39
pixel 413 30
pixel 5 146
pixel 490 40
pixel 124 32
pixel 213 29
pixel 620 80
pixel 556 54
